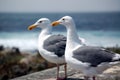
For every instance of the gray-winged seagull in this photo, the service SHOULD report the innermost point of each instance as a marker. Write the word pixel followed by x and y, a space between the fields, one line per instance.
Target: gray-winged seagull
pixel 51 47
pixel 88 59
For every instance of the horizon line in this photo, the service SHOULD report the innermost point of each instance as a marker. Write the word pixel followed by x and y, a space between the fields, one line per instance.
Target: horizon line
pixel 68 12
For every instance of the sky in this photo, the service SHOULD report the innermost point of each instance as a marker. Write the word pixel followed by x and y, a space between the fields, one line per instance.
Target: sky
pixel 59 5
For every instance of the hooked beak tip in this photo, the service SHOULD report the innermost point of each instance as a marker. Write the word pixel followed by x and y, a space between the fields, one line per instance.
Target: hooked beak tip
pixel 55 23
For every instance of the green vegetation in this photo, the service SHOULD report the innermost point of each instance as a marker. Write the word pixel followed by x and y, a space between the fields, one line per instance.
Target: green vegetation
pixel 114 49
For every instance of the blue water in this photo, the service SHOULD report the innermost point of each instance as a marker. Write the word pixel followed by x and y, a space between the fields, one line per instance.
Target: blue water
pixel 98 29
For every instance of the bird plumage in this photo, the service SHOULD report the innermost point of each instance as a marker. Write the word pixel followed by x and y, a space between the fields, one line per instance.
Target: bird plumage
pixel 88 59
pixel 93 55
pixel 56 44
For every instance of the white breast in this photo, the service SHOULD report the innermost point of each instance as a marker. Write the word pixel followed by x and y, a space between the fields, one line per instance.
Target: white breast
pixel 49 56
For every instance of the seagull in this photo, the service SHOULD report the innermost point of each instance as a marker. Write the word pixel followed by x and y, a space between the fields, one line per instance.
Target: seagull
pixel 51 47
pixel 91 60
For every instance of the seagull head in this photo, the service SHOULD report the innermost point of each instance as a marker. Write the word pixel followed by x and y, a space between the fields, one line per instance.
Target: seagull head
pixel 42 23
pixel 66 21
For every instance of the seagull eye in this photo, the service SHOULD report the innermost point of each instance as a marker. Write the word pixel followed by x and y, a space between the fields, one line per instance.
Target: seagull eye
pixel 63 19
pixel 40 21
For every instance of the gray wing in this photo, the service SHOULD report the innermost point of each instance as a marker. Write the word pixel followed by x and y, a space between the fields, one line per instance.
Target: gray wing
pixel 93 55
pixel 56 44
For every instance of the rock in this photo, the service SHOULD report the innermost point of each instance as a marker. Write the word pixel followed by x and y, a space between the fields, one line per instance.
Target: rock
pixel 5 77
pixel 24 61
pixel 41 66
pixel 1 60
pixel 50 74
pixel 15 50
pixel 1 47
pixel 17 70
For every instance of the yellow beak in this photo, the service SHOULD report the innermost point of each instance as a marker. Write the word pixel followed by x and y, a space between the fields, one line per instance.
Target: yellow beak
pixel 55 23
pixel 32 27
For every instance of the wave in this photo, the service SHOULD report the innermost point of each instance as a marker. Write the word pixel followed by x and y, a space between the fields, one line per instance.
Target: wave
pixel 29 40
pixel 22 40
pixel 23 44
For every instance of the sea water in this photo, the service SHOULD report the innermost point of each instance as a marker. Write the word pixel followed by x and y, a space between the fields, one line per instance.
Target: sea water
pixel 98 29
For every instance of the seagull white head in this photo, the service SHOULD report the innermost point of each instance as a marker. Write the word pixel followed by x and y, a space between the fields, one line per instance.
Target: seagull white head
pixel 42 23
pixel 66 21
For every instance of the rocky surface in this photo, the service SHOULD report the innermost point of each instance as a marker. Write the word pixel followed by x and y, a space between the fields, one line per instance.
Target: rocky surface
pixel 15 63
pixel 112 73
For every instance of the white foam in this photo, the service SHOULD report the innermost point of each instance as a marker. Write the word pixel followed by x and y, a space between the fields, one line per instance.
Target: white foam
pixel 23 44
pixel 28 40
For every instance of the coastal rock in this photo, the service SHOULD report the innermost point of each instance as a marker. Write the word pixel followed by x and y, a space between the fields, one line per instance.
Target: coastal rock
pixel 15 63
pixel 4 77
pixel 50 74
pixel 15 50
pixel 18 71
pixel 1 47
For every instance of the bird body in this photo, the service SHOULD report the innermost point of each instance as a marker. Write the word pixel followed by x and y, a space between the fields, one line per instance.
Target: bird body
pixel 88 59
pixel 48 54
pixel 51 47
pixel 91 60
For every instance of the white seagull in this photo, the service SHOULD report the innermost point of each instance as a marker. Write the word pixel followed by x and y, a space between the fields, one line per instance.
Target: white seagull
pixel 88 59
pixel 51 47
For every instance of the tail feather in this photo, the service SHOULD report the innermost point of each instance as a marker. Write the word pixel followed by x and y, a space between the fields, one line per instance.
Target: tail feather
pixel 116 57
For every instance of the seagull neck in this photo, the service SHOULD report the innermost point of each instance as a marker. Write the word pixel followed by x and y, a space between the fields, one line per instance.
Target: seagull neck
pixel 46 31
pixel 72 37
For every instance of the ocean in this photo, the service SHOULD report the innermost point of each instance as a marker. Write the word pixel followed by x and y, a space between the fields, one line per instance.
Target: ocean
pixel 98 29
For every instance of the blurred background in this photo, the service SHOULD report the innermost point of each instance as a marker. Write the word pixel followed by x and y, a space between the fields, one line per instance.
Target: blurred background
pixel 97 21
